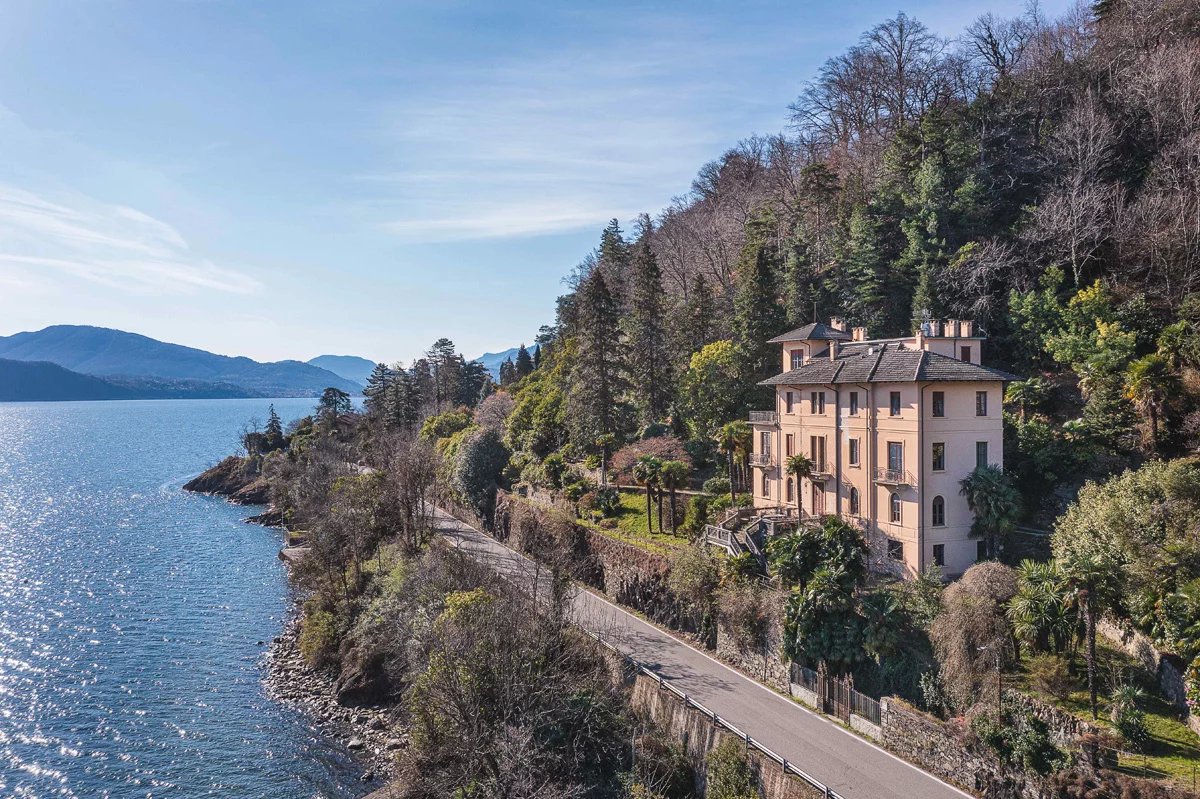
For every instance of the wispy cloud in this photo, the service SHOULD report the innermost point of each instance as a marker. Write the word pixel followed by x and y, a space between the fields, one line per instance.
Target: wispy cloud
pixel 112 245
pixel 553 142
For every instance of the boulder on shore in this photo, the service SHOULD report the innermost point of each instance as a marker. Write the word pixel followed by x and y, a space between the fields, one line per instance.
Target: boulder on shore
pixel 234 478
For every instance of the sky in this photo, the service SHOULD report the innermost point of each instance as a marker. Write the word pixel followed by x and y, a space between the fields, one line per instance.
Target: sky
pixel 289 179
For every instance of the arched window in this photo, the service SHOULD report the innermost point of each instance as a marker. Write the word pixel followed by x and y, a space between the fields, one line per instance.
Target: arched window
pixel 855 508
pixel 791 490
pixel 895 503
pixel 766 484
pixel 939 512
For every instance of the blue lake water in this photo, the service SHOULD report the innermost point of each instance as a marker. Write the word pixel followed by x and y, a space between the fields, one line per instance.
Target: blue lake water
pixel 131 613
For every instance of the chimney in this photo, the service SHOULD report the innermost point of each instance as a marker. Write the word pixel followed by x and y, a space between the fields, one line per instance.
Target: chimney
pixel 858 334
pixel 833 350
pixel 935 328
pixel 951 329
pixel 966 327
pixel 837 323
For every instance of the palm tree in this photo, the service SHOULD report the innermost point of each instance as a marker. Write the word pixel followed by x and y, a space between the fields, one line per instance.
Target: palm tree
pixel 994 500
pixel 799 466
pixel 1149 382
pixel 1026 394
pixel 734 438
pixel 1094 584
pixel 646 472
pixel 1039 610
pixel 674 475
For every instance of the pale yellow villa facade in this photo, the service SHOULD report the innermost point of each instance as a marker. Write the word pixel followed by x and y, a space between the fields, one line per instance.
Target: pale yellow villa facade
pixel 892 426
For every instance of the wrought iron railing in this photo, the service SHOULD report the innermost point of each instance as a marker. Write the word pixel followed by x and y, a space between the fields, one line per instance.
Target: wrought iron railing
pixel 764 417
pixel 893 476
pixel 761 459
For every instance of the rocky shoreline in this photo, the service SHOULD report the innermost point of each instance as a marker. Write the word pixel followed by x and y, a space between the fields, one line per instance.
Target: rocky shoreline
pixel 368 732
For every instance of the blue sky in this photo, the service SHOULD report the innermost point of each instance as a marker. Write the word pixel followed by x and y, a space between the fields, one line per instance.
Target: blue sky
pixel 287 179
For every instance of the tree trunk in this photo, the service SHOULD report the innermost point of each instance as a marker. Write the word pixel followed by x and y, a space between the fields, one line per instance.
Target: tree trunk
pixel 732 491
pixel 1090 631
pixel 672 508
pixel 660 510
pixel 649 511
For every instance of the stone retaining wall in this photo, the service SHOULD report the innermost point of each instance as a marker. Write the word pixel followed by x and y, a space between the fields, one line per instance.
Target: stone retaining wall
pixel 763 662
pixel 698 735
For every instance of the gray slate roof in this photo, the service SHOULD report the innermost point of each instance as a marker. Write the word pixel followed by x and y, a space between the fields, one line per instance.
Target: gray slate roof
pixel 816 331
pixel 885 363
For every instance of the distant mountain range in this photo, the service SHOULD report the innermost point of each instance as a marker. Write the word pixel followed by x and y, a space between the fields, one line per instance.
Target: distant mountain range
pixel 132 366
pixel 350 367
pixel 492 360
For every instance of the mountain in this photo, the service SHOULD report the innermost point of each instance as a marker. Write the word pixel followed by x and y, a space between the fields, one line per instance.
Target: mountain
pixel 39 381
pixel 42 381
pixel 492 360
pixel 350 367
pixel 109 353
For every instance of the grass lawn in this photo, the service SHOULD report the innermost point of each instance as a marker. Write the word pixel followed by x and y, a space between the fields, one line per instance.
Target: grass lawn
pixel 1173 751
pixel 632 528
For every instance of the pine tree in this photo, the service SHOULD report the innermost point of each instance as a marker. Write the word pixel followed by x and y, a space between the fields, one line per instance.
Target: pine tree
pixel 376 391
pixel 273 433
pixel 508 373
pixel 649 356
pixel 598 381
pixel 699 317
pixel 445 367
pixel 404 401
pixel 614 260
pixel 524 362
pixel 863 269
pixel 757 316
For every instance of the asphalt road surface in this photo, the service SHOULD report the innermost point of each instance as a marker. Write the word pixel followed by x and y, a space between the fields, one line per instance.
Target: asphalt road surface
pixel 850 765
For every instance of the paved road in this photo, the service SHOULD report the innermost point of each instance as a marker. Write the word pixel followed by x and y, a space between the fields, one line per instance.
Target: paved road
pixel 848 764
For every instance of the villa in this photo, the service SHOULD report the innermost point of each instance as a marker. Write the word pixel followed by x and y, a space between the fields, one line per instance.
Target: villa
pixel 891 426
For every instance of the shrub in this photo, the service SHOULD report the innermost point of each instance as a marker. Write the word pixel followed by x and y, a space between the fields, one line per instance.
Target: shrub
pixel 608 501
pixel 729 774
pixel 1021 740
pixel 1050 676
pixel 318 638
pixel 743 614
pixel 554 468
pixel 717 486
pixel 697 514
pixel 1131 725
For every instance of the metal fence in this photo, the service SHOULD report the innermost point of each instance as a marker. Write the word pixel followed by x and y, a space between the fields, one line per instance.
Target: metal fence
pixel 805 677
pixel 866 707
pixel 787 766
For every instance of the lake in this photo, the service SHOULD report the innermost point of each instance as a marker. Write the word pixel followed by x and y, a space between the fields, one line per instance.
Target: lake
pixel 133 616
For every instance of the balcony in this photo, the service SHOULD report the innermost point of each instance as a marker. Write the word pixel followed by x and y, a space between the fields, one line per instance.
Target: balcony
pixel 761 459
pixel 895 477
pixel 820 472
pixel 764 417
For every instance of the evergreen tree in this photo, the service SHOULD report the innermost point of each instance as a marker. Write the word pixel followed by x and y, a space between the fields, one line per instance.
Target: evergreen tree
pixel 757 316
pixel 614 260
pixel 404 401
pixel 445 366
pixel 597 382
pixel 508 373
pixel 697 330
pixel 863 269
pixel 524 362
pixel 376 392
pixel 273 434
pixel 649 356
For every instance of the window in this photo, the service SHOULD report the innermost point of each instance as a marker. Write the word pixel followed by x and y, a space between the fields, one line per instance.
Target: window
pixel 966 353
pixel 895 549
pixel 939 512
pixel 939 403
pixel 854 452
pixel 939 554
pixel 895 456
pixel 895 403
pixel 764 441
pixel 981 403
pixel 797 358
pixel 766 485
pixel 981 454
pixel 855 502
pixel 791 490
pixel 789 445
pixel 820 402
pixel 817 452
pixel 981 550
pixel 812 402
pixel 895 506
pixel 939 457
pixel 789 401
pixel 854 403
